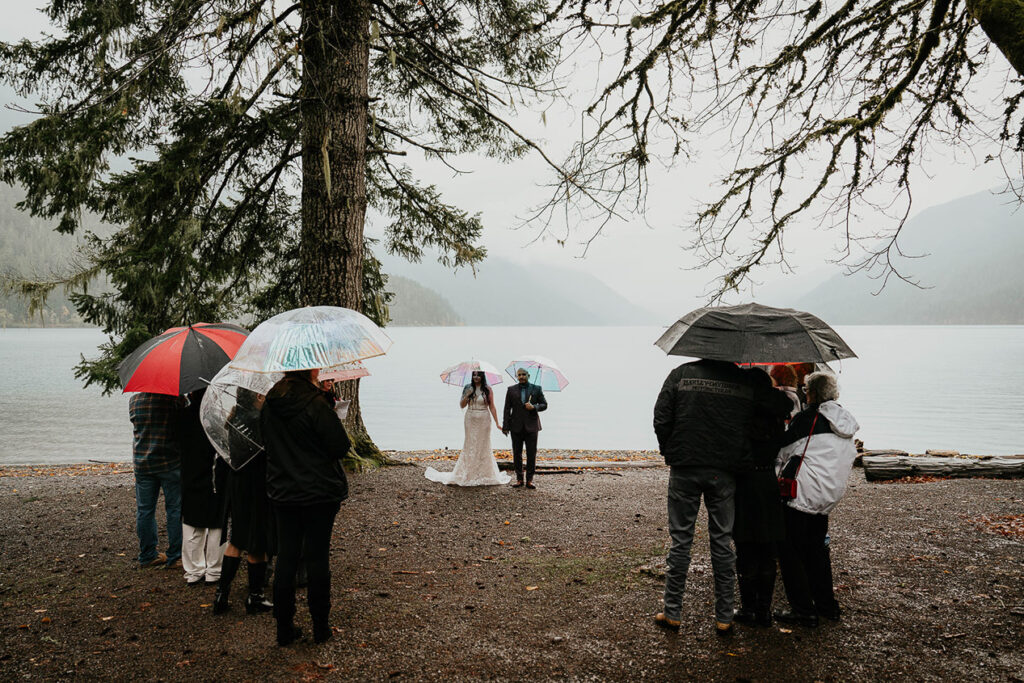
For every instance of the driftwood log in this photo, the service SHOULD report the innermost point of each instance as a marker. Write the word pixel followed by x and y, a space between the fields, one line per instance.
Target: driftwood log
pixel 896 466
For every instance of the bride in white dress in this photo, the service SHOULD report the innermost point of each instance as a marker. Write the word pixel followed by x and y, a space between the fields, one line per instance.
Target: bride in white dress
pixel 476 465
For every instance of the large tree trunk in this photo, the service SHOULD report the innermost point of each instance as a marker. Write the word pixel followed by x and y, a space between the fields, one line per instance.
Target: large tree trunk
pixel 1003 22
pixel 335 77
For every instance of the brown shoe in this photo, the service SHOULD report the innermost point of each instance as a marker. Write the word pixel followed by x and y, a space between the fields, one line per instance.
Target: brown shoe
pixel 518 484
pixel 174 565
pixel 530 485
pixel 158 561
pixel 722 628
pixel 661 620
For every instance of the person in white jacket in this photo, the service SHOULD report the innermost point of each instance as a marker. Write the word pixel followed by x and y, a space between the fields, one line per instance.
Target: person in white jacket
pixel 819 449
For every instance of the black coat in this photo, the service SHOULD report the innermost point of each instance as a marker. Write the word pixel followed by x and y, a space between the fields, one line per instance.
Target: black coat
pixel 703 415
pixel 758 506
pixel 515 416
pixel 203 474
pixel 305 442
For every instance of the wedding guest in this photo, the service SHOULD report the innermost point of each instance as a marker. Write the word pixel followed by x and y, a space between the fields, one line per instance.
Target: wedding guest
pixel 306 484
pixel 759 527
pixel 818 451
pixel 785 380
pixel 702 419
pixel 156 458
pixel 246 513
pixel 203 478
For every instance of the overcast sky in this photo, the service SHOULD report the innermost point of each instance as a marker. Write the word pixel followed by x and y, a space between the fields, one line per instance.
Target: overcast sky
pixel 644 259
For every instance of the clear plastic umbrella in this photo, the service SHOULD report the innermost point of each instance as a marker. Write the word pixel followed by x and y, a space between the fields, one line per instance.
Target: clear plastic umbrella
pixel 230 413
pixel 462 374
pixel 543 371
pixel 311 337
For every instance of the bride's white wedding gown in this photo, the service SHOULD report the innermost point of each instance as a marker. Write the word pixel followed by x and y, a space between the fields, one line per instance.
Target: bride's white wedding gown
pixel 476 465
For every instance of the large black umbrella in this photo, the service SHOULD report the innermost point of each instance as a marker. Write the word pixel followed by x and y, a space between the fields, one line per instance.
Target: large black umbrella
pixel 752 333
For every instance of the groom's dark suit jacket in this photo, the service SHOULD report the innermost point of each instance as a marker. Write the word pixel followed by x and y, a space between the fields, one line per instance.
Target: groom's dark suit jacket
pixel 516 418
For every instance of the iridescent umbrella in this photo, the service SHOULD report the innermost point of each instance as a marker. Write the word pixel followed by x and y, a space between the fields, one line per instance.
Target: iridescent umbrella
pixel 542 371
pixel 230 413
pixel 462 374
pixel 311 337
pixel 342 373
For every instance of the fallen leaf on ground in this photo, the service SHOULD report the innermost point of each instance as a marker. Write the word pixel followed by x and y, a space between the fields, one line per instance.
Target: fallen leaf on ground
pixel 106 618
pixel 785 630
pixel 532 588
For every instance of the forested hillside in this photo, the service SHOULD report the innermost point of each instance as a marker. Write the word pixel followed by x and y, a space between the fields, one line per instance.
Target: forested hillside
pixel 29 247
pixel 415 304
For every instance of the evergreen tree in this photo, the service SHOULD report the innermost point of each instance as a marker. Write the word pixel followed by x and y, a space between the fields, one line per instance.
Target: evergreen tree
pixel 237 144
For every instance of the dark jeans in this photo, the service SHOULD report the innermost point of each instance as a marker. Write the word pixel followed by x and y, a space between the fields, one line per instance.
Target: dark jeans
pixel 147 492
pixel 755 567
pixel 685 489
pixel 530 439
pixel 806 564
pixel 303 530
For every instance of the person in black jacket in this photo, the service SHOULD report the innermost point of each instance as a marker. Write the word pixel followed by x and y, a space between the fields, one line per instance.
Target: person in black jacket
pixel 702 419
pixel 306 484
pixel 758 527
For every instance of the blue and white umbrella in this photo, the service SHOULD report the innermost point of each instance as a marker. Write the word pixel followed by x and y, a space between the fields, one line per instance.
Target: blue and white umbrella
pixel 543 371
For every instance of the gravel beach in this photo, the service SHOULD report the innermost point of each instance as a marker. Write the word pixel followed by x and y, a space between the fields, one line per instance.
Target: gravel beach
pixel 494 583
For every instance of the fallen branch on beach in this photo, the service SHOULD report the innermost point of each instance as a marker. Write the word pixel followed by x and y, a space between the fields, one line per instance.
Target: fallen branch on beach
pixel 886 467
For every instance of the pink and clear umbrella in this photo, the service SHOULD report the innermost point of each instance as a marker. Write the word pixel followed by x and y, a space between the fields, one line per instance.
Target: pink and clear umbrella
pixel 543 371
pixel 462 374
pixel 341 373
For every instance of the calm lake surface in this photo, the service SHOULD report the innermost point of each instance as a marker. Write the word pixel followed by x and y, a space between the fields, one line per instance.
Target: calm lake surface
pixel 913 388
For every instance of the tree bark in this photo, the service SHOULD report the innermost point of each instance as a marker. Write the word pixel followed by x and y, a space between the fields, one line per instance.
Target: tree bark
pixel 1003 22
pixel 335 81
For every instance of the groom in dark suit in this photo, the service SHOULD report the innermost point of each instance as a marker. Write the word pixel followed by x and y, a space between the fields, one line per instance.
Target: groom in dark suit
pixel 522 403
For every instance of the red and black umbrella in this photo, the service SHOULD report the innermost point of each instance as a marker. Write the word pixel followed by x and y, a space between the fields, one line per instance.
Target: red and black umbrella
pixel 181 359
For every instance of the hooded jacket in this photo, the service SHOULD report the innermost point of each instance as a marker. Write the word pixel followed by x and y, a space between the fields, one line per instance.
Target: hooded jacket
pixel 305 442
pixel 822 479
pixel 704 414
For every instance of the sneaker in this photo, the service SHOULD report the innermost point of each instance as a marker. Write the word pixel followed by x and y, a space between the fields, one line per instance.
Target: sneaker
pixel 257 604
pixel 661 620
pixel 788 616
pixel 157 561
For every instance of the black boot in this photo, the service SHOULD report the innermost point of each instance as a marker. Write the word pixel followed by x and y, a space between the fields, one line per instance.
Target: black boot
pixel 227 574
pixel 256 603
pixel 287 634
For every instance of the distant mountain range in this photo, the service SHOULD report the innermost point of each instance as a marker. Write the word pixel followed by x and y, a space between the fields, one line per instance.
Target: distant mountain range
pixel 971 270
pixel 503 293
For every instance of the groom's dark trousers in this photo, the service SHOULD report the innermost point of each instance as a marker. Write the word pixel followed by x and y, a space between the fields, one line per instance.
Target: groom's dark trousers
pixel 523 425
pixel 529 439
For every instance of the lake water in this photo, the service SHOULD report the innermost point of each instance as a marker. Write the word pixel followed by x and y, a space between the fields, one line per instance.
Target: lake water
pixel 913 388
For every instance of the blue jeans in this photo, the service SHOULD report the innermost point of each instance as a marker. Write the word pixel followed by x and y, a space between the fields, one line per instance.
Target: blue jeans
pixel 147 491
pixel 685 489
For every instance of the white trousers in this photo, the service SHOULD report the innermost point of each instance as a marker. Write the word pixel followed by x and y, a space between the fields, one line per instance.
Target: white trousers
pixel 201 553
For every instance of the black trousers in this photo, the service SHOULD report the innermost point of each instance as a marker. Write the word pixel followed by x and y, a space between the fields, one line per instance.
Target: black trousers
pixel 755 570
pixel 304 530
pixel 806 563
pixel 530 440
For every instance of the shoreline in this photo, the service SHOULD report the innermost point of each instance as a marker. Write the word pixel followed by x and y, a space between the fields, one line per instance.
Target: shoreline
pixel 445 583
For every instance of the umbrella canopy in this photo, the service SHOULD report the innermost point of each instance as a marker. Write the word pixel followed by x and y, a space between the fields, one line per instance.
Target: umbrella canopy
pixel 230 413
pixel 752 333
pixel 543 371
pixel 462 374
pixel 311 337
pixel 182 359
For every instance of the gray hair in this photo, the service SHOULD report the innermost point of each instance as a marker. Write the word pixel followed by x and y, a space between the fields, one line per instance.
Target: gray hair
pixel 823 385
